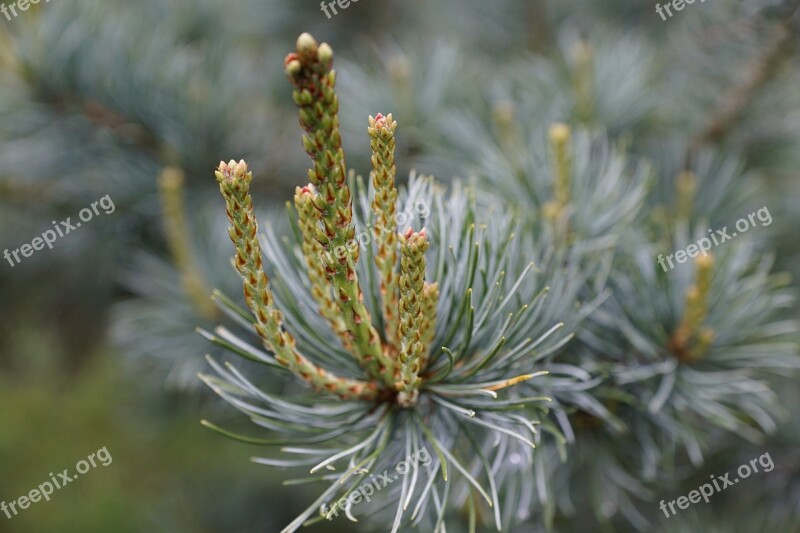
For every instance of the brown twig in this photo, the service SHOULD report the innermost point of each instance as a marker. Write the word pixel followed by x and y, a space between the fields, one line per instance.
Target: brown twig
pixel 723 119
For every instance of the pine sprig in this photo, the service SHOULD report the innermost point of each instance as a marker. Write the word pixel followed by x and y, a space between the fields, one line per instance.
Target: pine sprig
pixel 412 280
pixel 309 70
pixel 234 184
pixel 313 253
pixel 384 204
pixel 475 327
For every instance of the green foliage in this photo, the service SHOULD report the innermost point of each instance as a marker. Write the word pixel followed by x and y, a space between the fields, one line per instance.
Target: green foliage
pixel 674 127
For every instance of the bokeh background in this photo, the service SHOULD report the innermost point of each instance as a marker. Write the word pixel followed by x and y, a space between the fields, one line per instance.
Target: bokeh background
pixel 139 100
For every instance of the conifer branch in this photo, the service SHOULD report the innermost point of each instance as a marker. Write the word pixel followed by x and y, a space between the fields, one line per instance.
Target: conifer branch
pixel 170 188
pixel 313 253
pixel 234 184
pixel 413 246
pixel 583 80
pixel 560 136
pixel 757 74
pixel 309 70
pixel 384 205
pixel 430 300
pixel 692 338
pixel 557 210
pixel 686 189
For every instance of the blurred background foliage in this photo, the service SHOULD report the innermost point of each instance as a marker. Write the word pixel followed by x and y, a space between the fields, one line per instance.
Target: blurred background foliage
pixel 97 340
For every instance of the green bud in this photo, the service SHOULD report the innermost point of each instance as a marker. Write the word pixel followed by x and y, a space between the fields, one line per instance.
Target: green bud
pixel 306 45
pixel 325 53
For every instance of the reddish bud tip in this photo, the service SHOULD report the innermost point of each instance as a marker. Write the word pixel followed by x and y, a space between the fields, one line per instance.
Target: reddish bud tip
pixel 231 170
pixel 289 58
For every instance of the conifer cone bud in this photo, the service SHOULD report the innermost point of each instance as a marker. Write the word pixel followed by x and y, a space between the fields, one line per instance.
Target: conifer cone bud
pixel 686 187
pixel 560 136
pixel 692 338
pixel 178 236
pixel 413 246
pixel 315 257
pixel 325 54
pixel 234 182
pixel 307 46
pixel 384 206
pixel 318 106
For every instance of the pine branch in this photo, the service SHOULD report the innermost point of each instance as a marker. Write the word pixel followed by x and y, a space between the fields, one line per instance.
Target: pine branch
pixel 313 253
pixel 430 299
pixel 692 339
pixel 309 70
pixel 170 187
pixel 384 205
pixel 234 184
pixel 412 281
pixel 735 103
